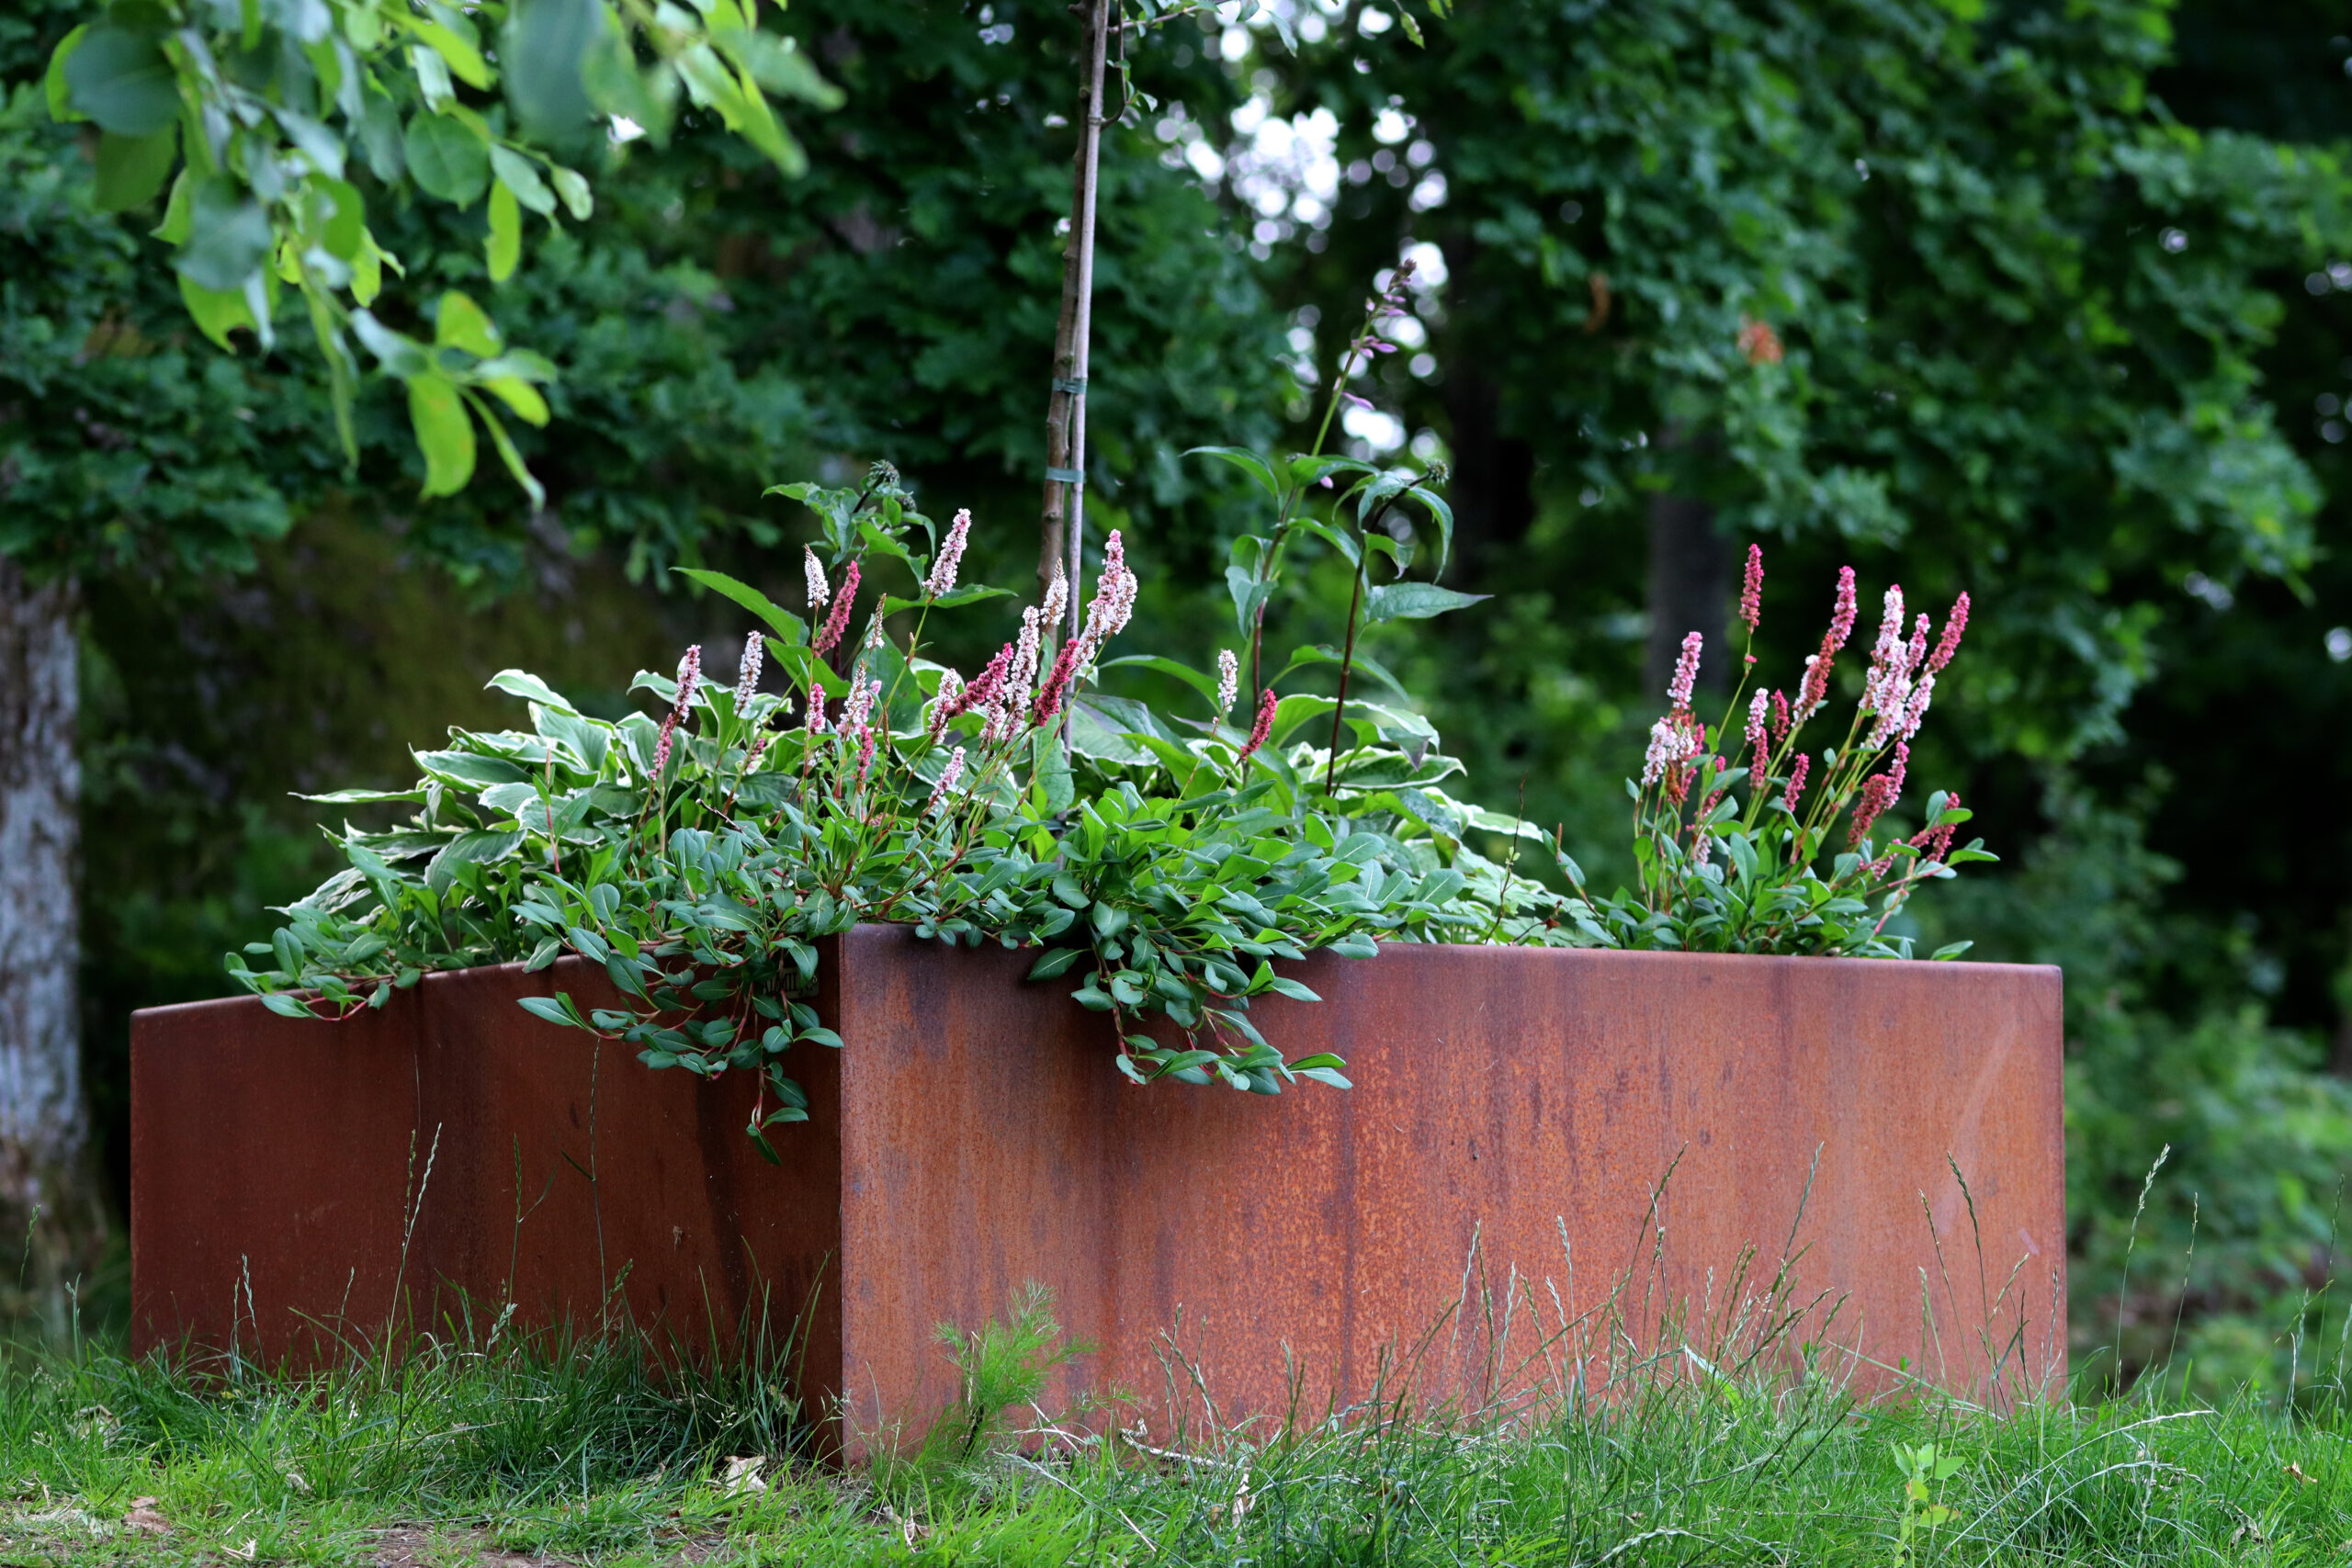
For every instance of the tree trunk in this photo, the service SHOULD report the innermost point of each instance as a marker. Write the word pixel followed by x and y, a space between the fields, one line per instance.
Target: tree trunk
pixel 51 1218
pixel 1690 573
pixel 1494 476
pixel 1493 485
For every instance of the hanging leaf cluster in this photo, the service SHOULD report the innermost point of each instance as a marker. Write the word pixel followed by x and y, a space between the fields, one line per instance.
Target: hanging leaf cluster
pixel 280 126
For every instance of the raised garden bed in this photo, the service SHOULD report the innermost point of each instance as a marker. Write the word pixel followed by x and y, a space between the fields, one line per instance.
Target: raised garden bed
pixel 295 1185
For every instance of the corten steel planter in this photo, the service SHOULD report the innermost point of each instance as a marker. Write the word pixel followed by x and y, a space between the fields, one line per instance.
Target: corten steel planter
pixel 297 1185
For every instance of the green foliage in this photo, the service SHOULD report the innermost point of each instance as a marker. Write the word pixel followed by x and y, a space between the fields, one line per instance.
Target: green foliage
pixel 1925 1472
pixel 282 118
pixel 583 1449
pixel 119 441
pixel 2017 307
pixel 127 444
pixel 1003 1363
pixel 711 322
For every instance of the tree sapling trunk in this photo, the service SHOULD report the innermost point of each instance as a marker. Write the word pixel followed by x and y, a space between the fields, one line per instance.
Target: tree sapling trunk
pixel 1063 536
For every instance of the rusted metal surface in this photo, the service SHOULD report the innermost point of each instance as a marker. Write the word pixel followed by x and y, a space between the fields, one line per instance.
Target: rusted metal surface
pixel 1514 1116
pixel 297 1187
pixel 268 1164
pixel 1528 1104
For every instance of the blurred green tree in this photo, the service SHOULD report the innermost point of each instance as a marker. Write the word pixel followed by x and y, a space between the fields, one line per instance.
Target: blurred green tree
pixel 1877 276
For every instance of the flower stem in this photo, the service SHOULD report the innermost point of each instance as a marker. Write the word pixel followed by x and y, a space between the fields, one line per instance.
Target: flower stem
pixel 1347 668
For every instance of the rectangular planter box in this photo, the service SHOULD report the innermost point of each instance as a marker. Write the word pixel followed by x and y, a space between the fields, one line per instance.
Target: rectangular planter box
pixel 297 1185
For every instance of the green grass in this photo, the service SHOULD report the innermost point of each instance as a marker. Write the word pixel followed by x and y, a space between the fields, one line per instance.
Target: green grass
pixel 460 1456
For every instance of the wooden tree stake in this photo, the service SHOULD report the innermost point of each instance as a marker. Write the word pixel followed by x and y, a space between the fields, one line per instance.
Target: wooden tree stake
pixel 1064 531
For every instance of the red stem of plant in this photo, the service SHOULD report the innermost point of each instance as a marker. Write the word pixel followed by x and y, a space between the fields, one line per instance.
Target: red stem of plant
pixel 1347 668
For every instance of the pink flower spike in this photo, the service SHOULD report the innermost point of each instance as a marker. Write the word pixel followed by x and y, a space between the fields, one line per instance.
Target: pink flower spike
pixel 1794 788
pixel 1056 599
pixel 945 704
pixel 1265 725
pixel 689 680
pixel 858 707
pixel 942 579
pixel 1841 619
pixel 1686 672
pixel 1780 718
pixel 1880 687
pixel 1049 695
pixel 982 691
pixel 1954 624
pixel 1876 795
pixel 1878 791
pixel 661 747
pixel 1667 743
pixel 838 622
pixel 1917 709
pixel 1759 718
pixel 1751 589
pixel 1108 612
pixel 1890 628
pixel 1022 676
pixel 819 591
pixel 747 673
pixel 1916 653
pixel 941 790
pixel 1813 690
pixel 1114 594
